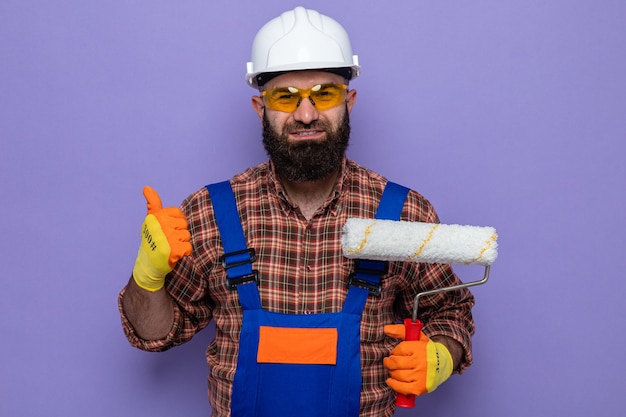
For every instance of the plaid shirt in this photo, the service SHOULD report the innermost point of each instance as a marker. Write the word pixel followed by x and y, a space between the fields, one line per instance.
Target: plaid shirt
pixel 302 271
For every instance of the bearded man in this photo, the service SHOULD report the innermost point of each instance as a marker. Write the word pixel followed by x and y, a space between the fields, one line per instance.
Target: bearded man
pixel 300 329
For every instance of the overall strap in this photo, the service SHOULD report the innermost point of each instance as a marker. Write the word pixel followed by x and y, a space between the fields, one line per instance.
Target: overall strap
pixel 366 278
pixel 237 258
pixel 391 202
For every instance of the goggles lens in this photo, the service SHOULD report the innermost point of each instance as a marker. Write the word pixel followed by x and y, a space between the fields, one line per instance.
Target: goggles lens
pixel 322 96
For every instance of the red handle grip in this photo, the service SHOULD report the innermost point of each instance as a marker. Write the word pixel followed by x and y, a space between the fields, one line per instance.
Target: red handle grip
pixel 413 330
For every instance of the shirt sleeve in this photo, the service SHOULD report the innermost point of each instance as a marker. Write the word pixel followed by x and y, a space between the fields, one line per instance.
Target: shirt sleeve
pixel 148 345
pixel 192 311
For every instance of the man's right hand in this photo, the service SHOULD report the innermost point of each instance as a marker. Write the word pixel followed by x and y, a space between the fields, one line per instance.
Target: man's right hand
pixel 164 240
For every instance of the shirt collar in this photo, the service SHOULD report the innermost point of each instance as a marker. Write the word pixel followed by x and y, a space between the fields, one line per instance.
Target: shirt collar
pixel 333 198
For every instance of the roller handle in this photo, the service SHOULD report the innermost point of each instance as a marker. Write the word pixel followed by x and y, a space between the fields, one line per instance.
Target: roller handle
pixel 413 330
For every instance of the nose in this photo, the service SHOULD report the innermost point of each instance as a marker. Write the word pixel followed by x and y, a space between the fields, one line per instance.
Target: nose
pixel 306 112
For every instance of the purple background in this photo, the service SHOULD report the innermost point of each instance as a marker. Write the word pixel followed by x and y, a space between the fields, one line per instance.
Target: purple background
pixel 503 113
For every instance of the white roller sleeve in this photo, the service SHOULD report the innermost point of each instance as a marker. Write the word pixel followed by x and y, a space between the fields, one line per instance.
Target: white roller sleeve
pixel 388 240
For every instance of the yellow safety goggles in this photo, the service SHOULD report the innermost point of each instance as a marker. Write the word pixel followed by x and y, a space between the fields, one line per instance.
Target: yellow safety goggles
pixel 322 96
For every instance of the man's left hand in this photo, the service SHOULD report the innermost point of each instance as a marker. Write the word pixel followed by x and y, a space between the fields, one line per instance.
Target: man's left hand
pixel 416 366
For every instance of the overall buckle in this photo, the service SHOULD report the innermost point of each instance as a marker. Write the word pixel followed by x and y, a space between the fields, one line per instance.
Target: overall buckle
pixel 372 269
pixel 251 258
pixel 233 282
pixel 244 279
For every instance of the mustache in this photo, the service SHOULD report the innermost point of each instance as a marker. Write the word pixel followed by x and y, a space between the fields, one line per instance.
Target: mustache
pixel 315 125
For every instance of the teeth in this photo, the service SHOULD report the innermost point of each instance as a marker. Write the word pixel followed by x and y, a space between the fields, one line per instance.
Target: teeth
pixel 306 133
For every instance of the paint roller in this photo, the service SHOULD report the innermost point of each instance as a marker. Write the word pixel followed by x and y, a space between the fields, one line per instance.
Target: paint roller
pixel 391 240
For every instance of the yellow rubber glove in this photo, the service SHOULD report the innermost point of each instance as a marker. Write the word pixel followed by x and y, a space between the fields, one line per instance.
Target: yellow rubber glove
pixel 164 240
pixel 416 366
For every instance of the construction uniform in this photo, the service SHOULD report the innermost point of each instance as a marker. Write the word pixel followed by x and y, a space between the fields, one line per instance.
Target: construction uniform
pixel 304 365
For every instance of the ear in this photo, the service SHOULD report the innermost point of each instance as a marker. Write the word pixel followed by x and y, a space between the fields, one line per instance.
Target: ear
pixel 258 106
pixel 350 99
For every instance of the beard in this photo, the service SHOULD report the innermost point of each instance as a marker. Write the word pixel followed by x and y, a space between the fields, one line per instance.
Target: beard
pixel 307 160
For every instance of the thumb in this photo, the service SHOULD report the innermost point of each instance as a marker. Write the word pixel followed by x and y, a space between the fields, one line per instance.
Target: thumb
pixel 153 201
pixel 397 331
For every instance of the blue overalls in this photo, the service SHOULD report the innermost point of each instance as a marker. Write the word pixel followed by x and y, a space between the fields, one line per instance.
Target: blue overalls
pixel 294 364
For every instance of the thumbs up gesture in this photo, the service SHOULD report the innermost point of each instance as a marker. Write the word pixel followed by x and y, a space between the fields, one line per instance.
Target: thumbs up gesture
pixel 164 240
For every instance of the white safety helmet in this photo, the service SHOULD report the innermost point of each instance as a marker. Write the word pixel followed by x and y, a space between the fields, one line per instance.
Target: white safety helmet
pixel 300 39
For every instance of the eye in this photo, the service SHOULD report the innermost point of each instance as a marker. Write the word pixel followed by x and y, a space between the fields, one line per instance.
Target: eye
pixel 326 92
pixel 285 94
